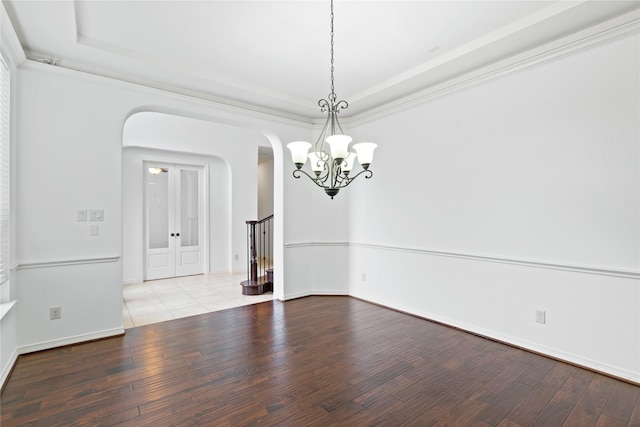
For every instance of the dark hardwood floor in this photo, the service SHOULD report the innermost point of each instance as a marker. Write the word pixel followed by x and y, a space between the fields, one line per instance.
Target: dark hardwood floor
pixel 315 361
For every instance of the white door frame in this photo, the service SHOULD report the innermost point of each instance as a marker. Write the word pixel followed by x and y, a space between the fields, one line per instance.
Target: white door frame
pixel 175 251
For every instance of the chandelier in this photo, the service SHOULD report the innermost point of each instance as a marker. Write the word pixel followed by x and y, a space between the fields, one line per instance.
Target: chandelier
pixel 332 165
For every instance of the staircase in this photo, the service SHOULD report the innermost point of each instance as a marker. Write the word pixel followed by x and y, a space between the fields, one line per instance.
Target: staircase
pixel 259 257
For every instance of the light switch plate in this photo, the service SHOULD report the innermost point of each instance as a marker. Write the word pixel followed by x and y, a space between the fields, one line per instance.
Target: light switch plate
pixel 82 215
pixel 96 215
pixel 93 230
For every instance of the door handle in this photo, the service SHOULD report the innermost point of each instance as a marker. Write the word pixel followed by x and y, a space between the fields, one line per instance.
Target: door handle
pixel 172 234
pixel 177 234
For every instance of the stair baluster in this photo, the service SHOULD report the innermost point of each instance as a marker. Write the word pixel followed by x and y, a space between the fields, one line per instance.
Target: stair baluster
pixel 259 257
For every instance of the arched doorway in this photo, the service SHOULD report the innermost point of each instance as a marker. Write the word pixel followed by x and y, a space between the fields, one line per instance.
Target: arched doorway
pixel 228 156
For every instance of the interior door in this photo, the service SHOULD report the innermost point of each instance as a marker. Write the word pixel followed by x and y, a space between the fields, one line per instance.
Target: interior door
pixel 174 219
pixel 189 256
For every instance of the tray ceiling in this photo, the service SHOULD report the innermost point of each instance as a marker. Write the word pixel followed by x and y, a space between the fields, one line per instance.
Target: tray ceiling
pixel 274 55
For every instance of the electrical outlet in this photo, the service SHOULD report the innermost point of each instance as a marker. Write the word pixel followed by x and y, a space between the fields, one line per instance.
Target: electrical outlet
pixel 363 277
pixel 541 316
pixel 237 257
pixel 55 313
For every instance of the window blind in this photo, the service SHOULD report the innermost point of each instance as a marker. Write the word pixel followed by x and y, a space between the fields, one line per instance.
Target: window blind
pixel 4 171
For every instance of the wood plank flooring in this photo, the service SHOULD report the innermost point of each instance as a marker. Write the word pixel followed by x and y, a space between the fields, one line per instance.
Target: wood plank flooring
pixel 315 361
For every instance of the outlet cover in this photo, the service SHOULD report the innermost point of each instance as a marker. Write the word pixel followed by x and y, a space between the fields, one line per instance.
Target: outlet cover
pixel 541 316
pixel 55 313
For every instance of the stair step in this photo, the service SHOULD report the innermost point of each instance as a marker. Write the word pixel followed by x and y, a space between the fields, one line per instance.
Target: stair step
pixel 258 287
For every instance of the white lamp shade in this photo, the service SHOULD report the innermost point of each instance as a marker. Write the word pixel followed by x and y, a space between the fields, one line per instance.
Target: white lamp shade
pixel 318 160
pixel 299 150
pixel 339 145
pixel 349 161
pixel 365 152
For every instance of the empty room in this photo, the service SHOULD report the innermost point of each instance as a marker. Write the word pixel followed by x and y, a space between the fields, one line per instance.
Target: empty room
pixel 320 212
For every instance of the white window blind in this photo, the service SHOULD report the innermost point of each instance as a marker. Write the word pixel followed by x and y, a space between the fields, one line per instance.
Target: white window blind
pixel 4 171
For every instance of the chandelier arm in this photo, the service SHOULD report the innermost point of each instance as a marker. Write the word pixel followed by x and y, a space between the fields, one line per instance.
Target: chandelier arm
pixel 344 180
pixel 343 105
pixel 322 178
pixel 297 172
pixel 319 146
pixel 340 177
pixel 324 105
pixel 349 180
pixel 334 175
pixel 337 176
pixel 368 174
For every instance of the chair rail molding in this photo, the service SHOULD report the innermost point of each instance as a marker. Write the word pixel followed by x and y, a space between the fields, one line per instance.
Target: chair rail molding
pixel 534 263
pixel 553 265
pixel 66 262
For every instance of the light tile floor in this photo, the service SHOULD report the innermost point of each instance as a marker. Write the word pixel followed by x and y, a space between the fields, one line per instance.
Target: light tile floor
pixel 160 300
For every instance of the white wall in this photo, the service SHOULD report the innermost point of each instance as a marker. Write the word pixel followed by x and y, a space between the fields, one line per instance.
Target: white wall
pixel 69 157
pixel 320 249
pixel 265 189
pixel 516 194
pixel 12 53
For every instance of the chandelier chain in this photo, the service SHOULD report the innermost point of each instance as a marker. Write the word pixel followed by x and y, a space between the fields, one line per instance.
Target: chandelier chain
pixel 333 94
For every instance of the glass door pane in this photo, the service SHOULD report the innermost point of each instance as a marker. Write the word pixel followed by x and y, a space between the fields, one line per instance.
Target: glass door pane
pixel 189 197
pixel 157 200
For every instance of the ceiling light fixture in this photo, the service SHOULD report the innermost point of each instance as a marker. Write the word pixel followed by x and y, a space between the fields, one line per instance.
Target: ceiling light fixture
pixel 157 171
pixel 331 168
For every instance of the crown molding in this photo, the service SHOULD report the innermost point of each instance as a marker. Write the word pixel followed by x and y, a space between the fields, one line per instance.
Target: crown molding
pixel 614 29
pixel 10 47
pixel 193 72
pixel 155 88
pixel 546 13
pixel 619 27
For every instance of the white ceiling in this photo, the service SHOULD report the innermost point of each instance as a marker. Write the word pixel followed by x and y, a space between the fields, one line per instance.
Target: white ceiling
pixel 274 55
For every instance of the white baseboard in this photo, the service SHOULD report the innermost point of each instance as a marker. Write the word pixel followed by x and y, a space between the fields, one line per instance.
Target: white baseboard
pixel 296 295
pixel 509 340
pixel 7 369
pixel 341 292
pixel 46 345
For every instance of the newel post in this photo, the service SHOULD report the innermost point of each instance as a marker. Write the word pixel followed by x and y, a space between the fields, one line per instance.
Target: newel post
pixel 252 247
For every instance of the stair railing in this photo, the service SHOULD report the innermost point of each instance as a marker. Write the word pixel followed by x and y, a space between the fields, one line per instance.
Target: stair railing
pixel 259 257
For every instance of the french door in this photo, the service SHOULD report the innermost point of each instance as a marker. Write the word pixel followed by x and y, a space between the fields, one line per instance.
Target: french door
pixel 174 220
